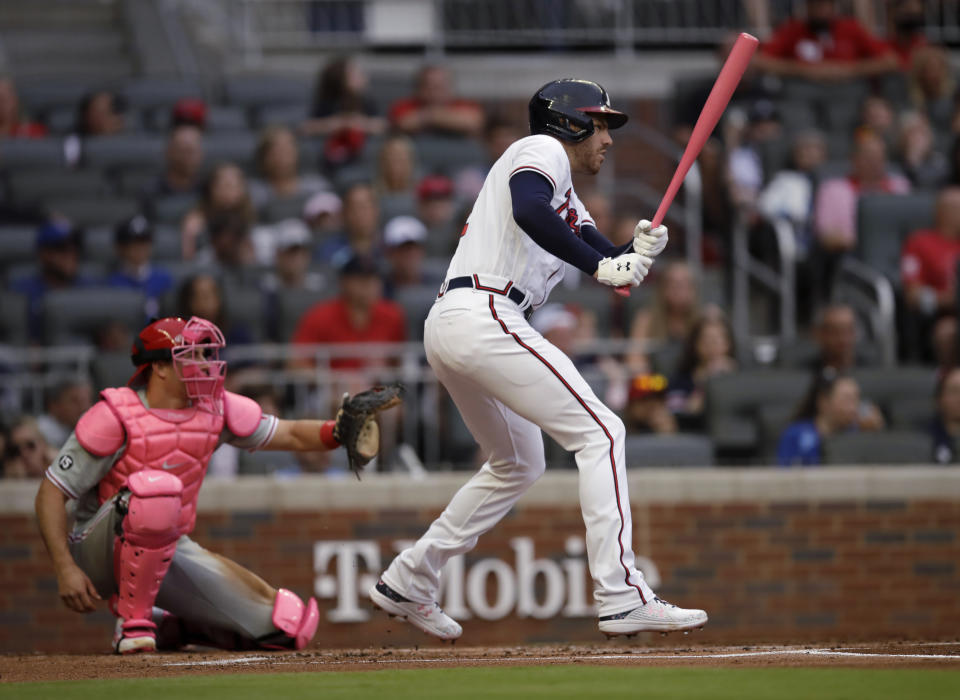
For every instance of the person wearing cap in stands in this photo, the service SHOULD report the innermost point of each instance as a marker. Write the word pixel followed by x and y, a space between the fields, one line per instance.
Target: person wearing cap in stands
pixel 58 255
pixel 133 239
pixel 293 249
pixel 403 241
pixel 646 410
pixel 322 214
pixel 435 203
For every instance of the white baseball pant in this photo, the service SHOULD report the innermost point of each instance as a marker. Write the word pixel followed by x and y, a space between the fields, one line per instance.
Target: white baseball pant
pixel 508 382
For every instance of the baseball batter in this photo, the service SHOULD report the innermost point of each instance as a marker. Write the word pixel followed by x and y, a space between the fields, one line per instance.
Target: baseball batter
pixel 135 464
pixel 509 383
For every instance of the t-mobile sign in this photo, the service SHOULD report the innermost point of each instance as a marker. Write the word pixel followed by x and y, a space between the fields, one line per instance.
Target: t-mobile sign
pixel 490 588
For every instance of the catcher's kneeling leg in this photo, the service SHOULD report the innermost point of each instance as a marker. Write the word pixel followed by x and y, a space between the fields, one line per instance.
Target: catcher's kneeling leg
pixel 144 553
pixel 294 625
pixel 297 622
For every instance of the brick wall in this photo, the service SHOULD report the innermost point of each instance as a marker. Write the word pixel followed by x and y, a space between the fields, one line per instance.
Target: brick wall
pixel 792 566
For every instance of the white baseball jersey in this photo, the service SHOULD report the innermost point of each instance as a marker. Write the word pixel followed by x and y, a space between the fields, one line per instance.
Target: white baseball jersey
pixel 492 243
pixel 509 383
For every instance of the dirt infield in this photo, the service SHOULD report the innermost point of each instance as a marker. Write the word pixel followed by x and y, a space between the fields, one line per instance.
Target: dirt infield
pixel 40 667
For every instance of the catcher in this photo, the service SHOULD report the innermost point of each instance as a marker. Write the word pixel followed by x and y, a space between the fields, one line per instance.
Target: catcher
pixel 135 464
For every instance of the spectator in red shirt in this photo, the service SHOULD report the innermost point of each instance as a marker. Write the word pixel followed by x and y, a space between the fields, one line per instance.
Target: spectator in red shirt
pixel 905 25
pixel 928 262
pixel 359 314
pixel 825 46
pixel 434 108
pixel 11 125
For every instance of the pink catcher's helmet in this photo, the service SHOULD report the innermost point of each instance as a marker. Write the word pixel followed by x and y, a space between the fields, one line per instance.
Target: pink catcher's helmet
pixel 194 348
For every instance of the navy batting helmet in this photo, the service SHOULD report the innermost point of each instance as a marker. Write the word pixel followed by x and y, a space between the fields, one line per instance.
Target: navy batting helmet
pixel 563 108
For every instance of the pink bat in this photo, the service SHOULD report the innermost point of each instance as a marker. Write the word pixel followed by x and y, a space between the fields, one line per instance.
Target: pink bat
pixel 733 69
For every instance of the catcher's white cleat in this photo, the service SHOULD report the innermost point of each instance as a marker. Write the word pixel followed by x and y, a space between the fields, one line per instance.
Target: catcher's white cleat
pixel 133 640
pixel 430 617
pixel 655 616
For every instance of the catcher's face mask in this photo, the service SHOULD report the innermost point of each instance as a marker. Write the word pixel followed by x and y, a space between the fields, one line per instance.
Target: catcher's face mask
pixel 197 362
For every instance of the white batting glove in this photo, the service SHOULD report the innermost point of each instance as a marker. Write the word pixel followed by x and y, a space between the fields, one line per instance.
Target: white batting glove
pixel 628 270
pixel 649 241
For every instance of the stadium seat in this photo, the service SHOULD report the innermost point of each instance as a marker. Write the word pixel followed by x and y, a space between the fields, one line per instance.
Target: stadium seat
pixel 134 181
pixel 98 244
pixel 385 89
pixel 883 223
pixel 666 358
pixel 842 116
pixel 33 187
pixel 292 304
pixel 94 212
pixel 72 315
pixel 911 413
pixel 416 303
pixel 441 154
pixel 797 115
pixel 13 320
pixel 890 385
pixel 893 447
pixel 682 450
pixel 159 91
pixel 61 120
pixel 172 208
pixel 110 369
pixel 281 114
pixel 124 151
pixel 734 402
pixel 392 205
pixel 244 306
pixel 280 209
pixel 257 90
pixel 556 456
pixel 219 118
pixel 263 462
pixel 773 418
pixel 17 245
pixel 589 296
pixel 167 244
pixel 38 95
pixel 799 353
pixel 16 154
pixel 230 146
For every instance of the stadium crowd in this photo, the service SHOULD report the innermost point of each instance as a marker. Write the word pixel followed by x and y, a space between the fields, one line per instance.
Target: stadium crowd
pixel 335 226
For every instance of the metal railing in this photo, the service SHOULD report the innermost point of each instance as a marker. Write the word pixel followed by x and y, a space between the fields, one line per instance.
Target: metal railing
pixel 778 278
pixel 872 293
pixel 304 376
pixel 259 26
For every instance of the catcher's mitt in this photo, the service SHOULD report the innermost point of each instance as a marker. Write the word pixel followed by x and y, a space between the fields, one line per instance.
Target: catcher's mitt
pixel 356 428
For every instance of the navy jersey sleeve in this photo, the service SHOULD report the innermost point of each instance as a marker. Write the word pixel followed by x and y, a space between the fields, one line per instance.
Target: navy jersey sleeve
pixel 599 242
pixel 531 194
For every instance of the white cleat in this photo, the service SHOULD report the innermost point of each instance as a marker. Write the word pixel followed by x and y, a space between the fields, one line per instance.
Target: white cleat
pixel 429 618
pixel 656 616
pixel 133 641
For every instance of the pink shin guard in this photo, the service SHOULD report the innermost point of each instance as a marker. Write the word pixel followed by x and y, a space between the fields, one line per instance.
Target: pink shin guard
pixel 150 533
pixel 293 618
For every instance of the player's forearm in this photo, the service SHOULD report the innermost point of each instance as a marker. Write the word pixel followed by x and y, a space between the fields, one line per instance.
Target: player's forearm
pixel 50 506
pixel 302 436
